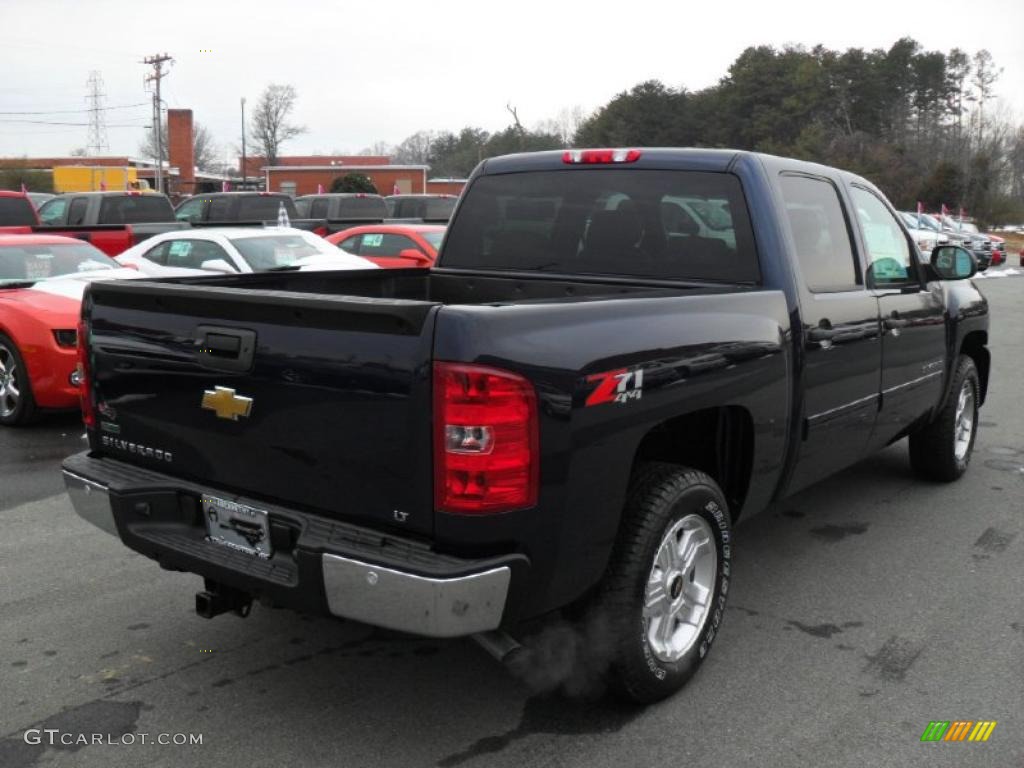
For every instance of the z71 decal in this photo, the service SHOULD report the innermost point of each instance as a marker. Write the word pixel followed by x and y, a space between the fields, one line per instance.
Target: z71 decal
pixel 619 386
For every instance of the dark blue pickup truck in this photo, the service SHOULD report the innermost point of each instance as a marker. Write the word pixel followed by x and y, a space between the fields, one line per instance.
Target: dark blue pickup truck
pixel 619 355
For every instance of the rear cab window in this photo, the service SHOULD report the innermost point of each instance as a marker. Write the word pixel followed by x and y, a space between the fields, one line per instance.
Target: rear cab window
pixel 820 233
pixel 676 225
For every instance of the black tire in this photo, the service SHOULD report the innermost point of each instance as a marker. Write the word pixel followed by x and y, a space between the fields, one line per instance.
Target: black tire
pixel 932 448
pixel 661 495
pixel 25 410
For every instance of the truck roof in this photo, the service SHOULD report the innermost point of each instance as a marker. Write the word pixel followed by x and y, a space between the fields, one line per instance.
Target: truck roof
pixel 16 240
pixel 650 157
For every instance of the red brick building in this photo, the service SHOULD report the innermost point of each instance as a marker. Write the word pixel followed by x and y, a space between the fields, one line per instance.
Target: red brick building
pixel 306 179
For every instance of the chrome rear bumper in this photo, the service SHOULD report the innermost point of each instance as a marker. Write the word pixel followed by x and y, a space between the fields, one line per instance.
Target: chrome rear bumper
pixel 91 501
pixel 434 606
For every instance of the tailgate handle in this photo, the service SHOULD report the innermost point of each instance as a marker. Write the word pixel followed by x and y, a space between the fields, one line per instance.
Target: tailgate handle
pixel 225 349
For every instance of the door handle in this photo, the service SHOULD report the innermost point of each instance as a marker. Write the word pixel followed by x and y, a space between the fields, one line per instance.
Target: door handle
pixel 821 334
pixel 225 349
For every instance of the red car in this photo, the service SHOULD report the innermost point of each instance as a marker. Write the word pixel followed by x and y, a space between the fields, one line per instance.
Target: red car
pixel 17 213
pixel 392 245
pixel 42 278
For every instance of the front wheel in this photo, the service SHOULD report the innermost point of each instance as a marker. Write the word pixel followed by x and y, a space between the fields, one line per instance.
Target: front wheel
pixel 942 449
pixel 663 597
pixel 16 403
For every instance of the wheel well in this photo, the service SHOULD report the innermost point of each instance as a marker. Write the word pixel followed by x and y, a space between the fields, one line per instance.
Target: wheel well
pixel 718 441
pixel 974 346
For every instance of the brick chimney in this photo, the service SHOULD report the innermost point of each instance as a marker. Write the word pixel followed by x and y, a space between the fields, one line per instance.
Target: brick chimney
pixel 179 148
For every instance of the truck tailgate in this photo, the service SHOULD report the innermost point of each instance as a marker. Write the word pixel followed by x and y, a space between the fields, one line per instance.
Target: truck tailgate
pixel 322 401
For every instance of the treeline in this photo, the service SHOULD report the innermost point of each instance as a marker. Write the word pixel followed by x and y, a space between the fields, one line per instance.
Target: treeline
pixel 923 125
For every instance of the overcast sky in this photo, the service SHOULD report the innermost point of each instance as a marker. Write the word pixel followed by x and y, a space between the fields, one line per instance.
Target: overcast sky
pixel 379 71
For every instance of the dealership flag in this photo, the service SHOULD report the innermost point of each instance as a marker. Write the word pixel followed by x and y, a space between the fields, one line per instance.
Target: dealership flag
pixel 282 217
pixel 103 185
pixel 225 187
pixel 319 189
pixel 945 210
pixel 962 213
pixel 24 189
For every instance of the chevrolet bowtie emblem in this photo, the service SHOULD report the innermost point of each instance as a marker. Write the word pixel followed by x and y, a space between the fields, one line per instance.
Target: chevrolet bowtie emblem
pixel 226 404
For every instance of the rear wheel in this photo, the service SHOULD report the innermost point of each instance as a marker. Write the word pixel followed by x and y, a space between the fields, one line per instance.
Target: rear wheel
pixel 942 449
pixel 664 595
pixel 16 403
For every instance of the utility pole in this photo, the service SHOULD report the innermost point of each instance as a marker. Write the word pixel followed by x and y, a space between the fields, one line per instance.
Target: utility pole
pixel 97 140
pixel 243 143
pixel 157 62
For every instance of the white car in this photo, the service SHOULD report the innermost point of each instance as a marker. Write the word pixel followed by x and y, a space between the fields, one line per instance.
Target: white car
pixel 925 237
pixel 236 250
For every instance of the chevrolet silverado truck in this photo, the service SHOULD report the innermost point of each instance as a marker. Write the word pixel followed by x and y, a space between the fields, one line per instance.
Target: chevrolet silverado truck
pixel 111 221
pixel 619 355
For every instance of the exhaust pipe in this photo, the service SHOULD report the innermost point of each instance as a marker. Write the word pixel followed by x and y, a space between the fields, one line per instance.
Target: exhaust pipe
pixel 218 598
pixel 501 645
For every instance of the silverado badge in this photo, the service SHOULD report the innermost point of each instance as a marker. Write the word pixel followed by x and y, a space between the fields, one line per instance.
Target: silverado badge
pixel 226 404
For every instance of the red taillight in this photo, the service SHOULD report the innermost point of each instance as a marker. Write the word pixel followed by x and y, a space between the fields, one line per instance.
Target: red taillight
pixel 85 375
pixel 485 440
pixel 597 156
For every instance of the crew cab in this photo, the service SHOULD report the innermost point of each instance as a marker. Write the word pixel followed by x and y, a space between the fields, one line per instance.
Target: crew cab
pixel 341 210
pixel 569 411
pixel 235 209
pixel 111 221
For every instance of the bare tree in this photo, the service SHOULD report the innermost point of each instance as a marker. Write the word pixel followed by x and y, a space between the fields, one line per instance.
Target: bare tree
pixel 415 149
pixel 270 127
pixel 378 149
pixel 204 150
pixel 520 131
pixel 985 76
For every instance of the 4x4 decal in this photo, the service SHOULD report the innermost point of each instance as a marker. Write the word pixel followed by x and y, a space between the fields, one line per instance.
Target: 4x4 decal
pixel 618 386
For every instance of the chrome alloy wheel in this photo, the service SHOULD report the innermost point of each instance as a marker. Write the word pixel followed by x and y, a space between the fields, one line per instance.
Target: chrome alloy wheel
pixel 677 599
pixel 10 395
pixel 964 425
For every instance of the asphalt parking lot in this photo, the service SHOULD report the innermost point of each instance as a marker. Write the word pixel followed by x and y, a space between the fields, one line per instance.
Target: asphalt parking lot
pixel 860 610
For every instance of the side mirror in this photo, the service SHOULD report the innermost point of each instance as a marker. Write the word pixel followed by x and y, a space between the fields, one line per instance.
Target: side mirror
pixel 414 255
pixel 953 262
pixel 216 265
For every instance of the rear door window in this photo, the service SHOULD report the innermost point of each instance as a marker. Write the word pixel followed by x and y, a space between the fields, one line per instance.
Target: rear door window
pixel 318 210
pixel 264 207
pixel 135 209
pixel 190 210
pixel 76 216
pixel 820 234
pixel 687 225
pixel 219 209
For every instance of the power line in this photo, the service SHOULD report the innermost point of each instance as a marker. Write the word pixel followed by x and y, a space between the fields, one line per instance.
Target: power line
pixel 76 111
pixel 55 122
pixel 97 141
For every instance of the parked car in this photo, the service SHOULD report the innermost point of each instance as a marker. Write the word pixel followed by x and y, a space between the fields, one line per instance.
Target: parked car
pixel 42 278
pixel 425 208
pixel 980 245
pixel 112 221
pixel 392 245
pixel 570 410
pixel 340 211
pixel 998 249
pixel 925 238
pixel 240 249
